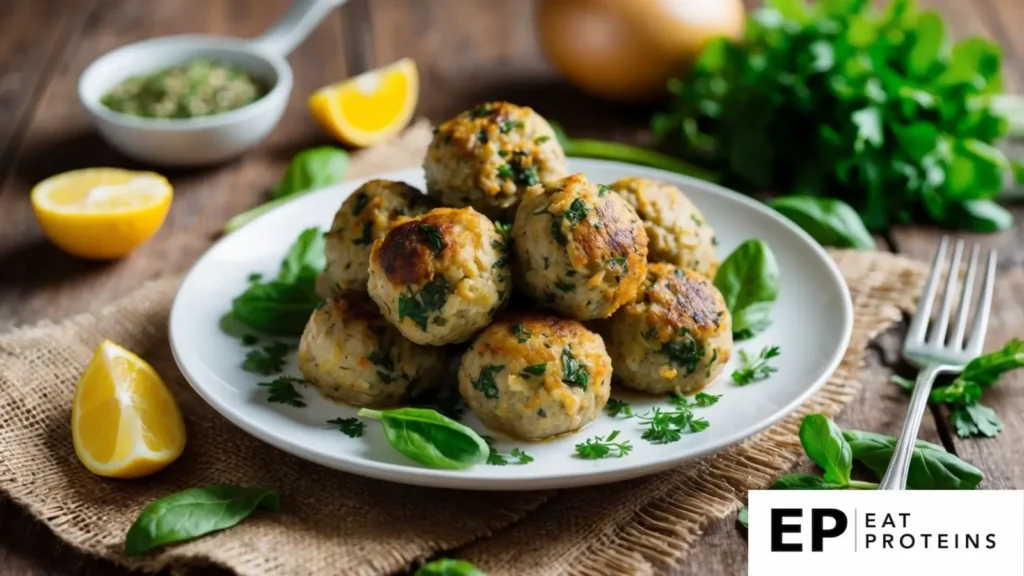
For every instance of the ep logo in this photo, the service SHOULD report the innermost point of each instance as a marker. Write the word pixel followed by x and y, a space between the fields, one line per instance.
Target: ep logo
pixel 824 523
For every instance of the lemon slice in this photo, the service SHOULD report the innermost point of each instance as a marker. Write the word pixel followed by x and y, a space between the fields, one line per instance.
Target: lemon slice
pixel 101 213
pixel 124 421
pixel 368 108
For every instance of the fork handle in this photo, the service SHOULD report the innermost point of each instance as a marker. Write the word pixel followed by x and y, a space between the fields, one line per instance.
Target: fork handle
pixel 896 475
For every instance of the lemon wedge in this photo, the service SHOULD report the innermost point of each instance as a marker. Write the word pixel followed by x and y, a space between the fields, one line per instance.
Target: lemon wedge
pixel 368 108
pixel 101 213
pixel 124 422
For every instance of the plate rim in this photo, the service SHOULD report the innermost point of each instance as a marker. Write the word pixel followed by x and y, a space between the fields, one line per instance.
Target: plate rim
pixel 420 476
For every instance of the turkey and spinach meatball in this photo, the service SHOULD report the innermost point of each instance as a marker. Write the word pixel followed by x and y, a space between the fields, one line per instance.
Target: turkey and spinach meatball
pixel 582 250
pixel 535 376
pixel 442 276
pixel 677 335
pixel 487 157
pixel 364 216
pixel 676 230
pixel 352 354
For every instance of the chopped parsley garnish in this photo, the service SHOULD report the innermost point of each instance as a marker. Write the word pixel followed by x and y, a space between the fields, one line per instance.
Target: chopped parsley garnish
pixel 753 369
pixel 517 171
pixel 685 352
pixel 565 286
pixel 541 139
pixel 351 427
pixel 361 201
pixel 433 237
pixel 381 359
pixel 666 427
pixel 507 126
pixel 485 383
pixel 503 228
pixel 495 458
pixel 522 334
pixel 542 413
pixel 618 262
pixel 577 212
pixel 556 231
pixel 618 407
pixel 602 190
pixel 281 390
pixel 419 305
pixel 267 359
pixel 481 111
pixel 534 370
pixel 573 373
pixel 600 447
pixel 520 456
pixel 367 237
pixel 505 253
pixel 481 136
pixel 701 400
pixel 648 334
pixel 249 339
pixel 505 172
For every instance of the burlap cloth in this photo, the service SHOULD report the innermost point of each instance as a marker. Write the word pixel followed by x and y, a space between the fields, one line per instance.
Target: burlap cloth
pixel 335 523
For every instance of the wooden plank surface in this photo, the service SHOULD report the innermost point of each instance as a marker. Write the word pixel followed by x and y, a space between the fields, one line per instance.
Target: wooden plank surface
pixel 43 49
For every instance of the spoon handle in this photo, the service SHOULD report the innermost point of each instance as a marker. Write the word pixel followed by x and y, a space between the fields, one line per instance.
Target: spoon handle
pixel 296 24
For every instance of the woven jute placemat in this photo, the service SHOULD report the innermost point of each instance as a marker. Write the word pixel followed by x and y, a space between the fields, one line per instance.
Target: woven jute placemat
pixel 335 523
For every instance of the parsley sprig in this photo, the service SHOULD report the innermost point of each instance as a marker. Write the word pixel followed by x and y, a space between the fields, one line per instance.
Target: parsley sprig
pixel 754 369
pixel 495 458
pixel 600 447
pixel 573 373
pixel 616 407
pixel 351 427
pixel 268 359
pixel 281 390
pixel 418 305
pixel 664 427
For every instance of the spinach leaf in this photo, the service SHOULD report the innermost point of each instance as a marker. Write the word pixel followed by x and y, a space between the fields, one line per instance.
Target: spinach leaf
pixel 749 282
pixel 305 259
pixel 829 221
pixel 312 169
pixel 430 438
pixel 801 482
pixel 931 467
pixel 193 513
pixel 276 307
pixel 449 567
pixel 824 443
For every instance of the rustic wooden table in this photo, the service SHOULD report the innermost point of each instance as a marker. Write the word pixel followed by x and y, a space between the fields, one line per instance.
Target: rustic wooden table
pixel 467 51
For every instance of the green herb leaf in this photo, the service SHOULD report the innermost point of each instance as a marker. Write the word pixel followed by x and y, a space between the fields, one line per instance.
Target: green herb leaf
pixel 281 390
pixel 366 236
pixel 351 427
pixel 573 373
pixel 522 335
pixel 312 169
pixel 361 201
pixel 931 467
pixel 267 359
pixel 428 437
pixel 576 213
pixel 824 443
pixel 743 517
pixel 506 126
pixel 486 382
pixel 449 567
pixel 749 281
pixel 975 420
pixel 433 237
pixel 829 221
pixel 600 447
pixel 193 513
pixel 276 307
pixel 684 351
pixel 419 305
pixel 753 369
pixel 704 400
pixel 535 370
pixel 986 369
pixel 564 286
pixel 521 456
pixel 616 408
pixel 305 259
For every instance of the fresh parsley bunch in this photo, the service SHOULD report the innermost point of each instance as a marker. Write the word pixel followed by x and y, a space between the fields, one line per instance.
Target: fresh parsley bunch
pixel 969 417
pixel 839 98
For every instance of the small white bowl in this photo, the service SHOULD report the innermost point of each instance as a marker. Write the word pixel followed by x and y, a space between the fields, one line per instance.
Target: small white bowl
pixel 205 139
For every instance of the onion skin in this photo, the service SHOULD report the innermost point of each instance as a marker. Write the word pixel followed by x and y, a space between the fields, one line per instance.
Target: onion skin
pixel 627 50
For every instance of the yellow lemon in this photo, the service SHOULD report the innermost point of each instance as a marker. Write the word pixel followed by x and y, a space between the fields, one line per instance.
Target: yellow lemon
pixel 101 213
pixel 368 108
pixel 124 422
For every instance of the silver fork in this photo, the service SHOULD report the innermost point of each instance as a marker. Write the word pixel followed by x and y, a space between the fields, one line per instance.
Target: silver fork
pixel 929 350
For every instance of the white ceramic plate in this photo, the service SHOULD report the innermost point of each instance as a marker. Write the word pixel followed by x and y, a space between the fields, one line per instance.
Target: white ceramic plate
pixel 811 322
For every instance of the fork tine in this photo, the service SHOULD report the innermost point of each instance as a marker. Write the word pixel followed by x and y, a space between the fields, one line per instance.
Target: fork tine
pixel 977 341
pixel 919 322
pixel 938 334
pixel 957 340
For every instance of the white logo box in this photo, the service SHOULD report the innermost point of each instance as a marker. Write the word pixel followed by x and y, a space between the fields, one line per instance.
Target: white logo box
pixel 914 533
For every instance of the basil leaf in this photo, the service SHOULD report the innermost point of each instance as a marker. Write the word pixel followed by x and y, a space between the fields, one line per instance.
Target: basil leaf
pixel 276 307
pixel 449 567
pixel 986 369
pixel 975 420
pixel 801 482
pixel 829 221
pixel 305 259
pixel 749 281
pixel 931 467
pixel 311 169
pixel 430 438
pixel 979 216
pixel 193 513
pixel 824 443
